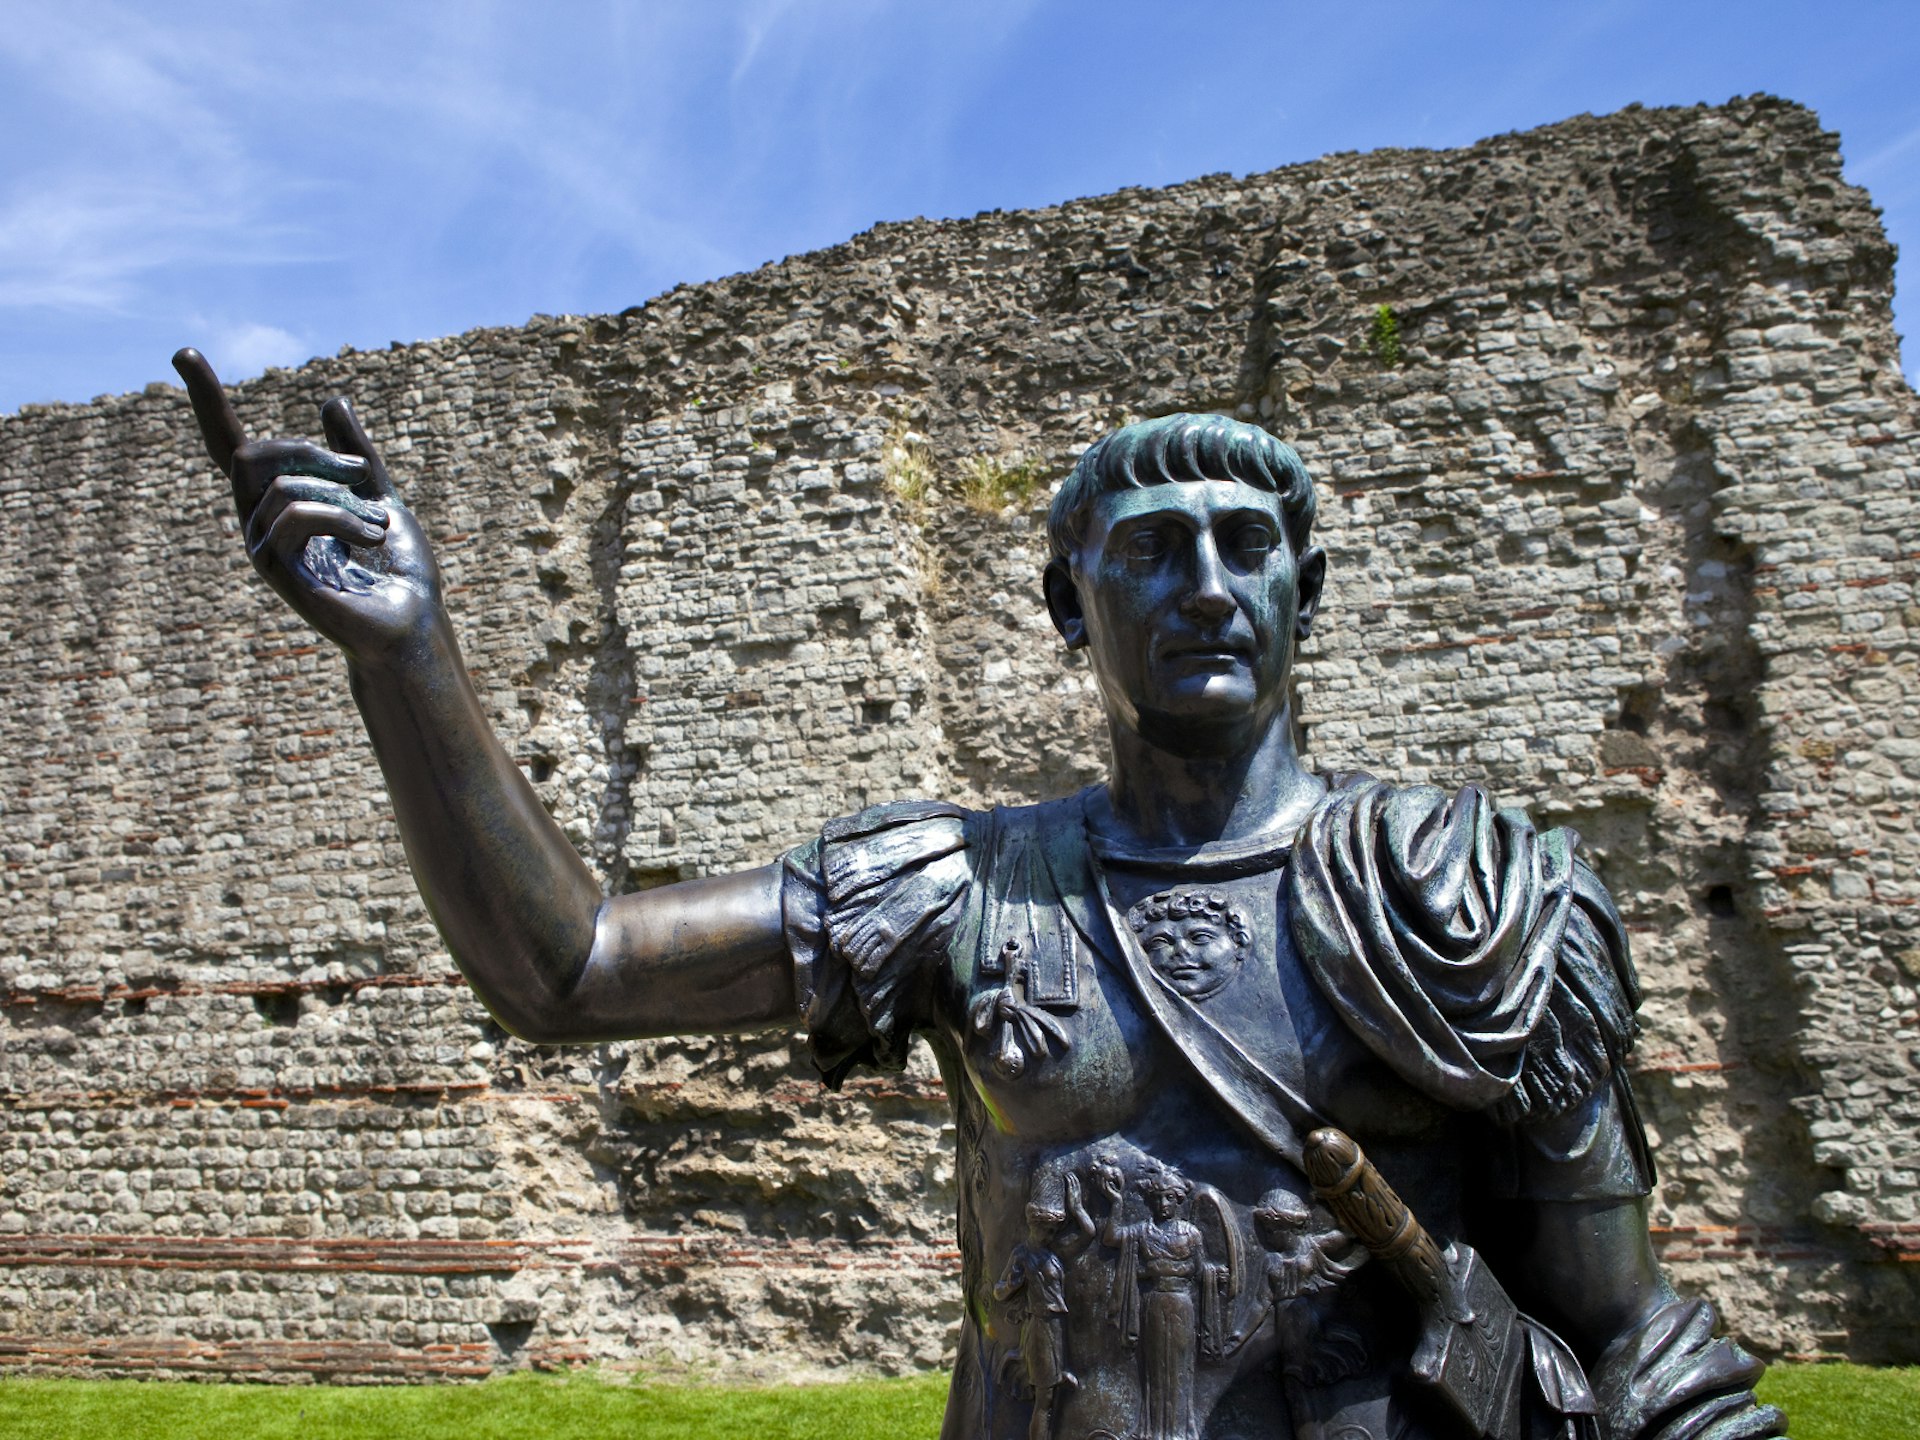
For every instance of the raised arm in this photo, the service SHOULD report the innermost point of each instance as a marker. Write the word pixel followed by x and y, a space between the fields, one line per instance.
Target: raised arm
pixel 519 911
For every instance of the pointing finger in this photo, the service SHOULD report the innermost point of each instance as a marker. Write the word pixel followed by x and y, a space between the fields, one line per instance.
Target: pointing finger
pixel 219 426
pixel 344 433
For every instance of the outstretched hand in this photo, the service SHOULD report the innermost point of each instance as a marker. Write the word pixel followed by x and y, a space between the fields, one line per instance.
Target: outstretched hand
pixel 324 527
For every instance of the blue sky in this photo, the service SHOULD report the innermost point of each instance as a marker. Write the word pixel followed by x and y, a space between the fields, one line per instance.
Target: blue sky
pixel 272 181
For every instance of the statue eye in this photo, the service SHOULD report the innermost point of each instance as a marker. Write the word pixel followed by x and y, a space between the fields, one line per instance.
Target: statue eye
pixel 1252 539
pixel 1146 545
pixel 1200 935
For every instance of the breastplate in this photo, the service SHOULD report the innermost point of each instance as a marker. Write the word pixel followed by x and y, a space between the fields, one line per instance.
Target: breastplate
pixel 1204 1292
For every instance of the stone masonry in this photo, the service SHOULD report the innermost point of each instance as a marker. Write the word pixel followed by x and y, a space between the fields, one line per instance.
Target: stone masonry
pixel 1629 535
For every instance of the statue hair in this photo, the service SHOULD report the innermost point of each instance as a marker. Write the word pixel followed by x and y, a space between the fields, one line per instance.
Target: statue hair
pixel 1284 1209
pixel 1182 448
pixel 1160 1178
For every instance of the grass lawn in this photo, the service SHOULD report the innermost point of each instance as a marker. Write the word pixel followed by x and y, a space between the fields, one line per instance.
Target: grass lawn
pixel 515 1407
pixel 1825 1402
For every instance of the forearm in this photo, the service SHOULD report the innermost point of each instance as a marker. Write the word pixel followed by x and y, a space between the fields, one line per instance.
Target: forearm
pixel 519 911
pixel 1594 1262
pixel 512 899
pixel 1656 1366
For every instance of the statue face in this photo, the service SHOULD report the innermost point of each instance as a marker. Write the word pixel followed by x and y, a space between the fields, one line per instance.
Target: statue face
pixel 1277 1228
pixel 1163 1203
pixel 1195 956
pixel 1187 596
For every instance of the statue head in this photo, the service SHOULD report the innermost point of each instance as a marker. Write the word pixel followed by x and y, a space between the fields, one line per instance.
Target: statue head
pixel 1042 1221
pixel 1279 1217
pixel 1164 1189
pixel 1194 939
pixel 1182 563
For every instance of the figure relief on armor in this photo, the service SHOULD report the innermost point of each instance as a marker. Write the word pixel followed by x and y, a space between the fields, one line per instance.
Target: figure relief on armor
pixel 1035 1281
pixel 1172 1288
pixel 1307 1258
pixel 1195 940
pixel 973 1197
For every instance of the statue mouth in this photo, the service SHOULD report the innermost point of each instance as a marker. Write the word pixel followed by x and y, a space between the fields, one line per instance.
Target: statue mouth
pixel 1211 652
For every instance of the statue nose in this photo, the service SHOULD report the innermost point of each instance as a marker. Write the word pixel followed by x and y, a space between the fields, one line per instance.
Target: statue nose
pixel 1209 604
pixel 1209 599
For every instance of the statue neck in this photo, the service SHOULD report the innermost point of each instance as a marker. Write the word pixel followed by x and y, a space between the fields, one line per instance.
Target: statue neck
pixel 1160 796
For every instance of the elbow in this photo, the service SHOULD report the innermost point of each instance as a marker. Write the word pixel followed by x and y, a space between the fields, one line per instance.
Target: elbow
pixel 536 993
pixel 547 1017
pixel 536 1024
pixel 536 1014
pixel 535 1030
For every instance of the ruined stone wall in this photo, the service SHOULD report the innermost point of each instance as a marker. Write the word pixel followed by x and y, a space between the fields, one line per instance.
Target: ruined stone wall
pixel 1629 535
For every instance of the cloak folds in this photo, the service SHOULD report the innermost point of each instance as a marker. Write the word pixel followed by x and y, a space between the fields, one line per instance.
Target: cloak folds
pixel 1473 954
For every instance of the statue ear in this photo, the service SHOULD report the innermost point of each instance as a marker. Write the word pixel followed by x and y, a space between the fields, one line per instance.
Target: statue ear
pixel 1063 604
pixel 1312 577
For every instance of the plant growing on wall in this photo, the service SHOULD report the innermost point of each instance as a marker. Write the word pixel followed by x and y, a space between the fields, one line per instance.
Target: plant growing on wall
pixel 908 465
pixel 988 485
pixel 1384 338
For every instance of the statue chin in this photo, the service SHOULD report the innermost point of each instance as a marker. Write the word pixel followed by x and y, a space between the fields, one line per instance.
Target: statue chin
pixel 1208 727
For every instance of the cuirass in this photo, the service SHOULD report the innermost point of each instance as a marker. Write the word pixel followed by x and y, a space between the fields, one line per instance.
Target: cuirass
pixel 1205 1294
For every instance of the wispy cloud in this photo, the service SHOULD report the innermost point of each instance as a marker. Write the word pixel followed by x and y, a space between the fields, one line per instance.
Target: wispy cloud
pixel 756 23
pixel 92 242
pixel 594 166
pixel 141 171
pixel 1880 163
pixel 248 348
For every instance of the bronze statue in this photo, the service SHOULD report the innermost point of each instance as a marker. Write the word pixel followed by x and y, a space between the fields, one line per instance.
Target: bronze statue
pixel 1150 993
